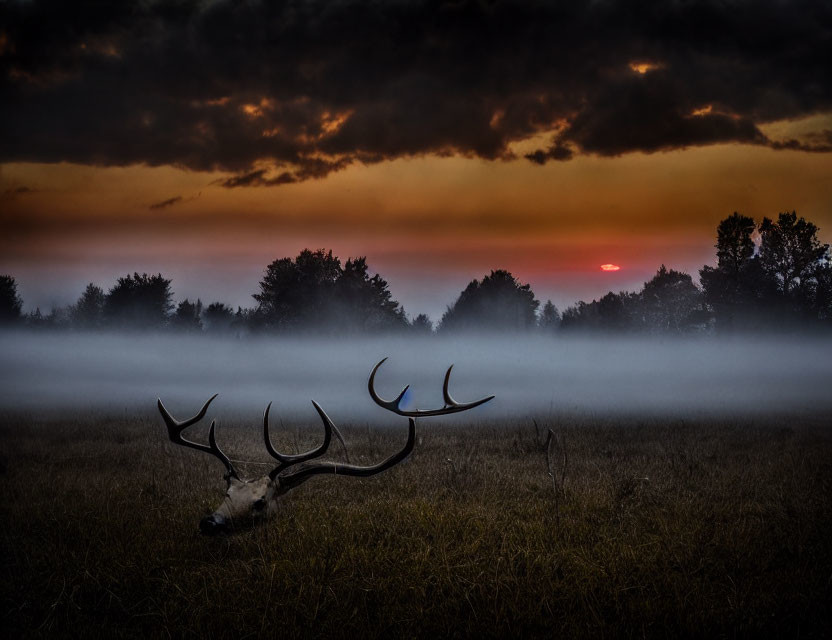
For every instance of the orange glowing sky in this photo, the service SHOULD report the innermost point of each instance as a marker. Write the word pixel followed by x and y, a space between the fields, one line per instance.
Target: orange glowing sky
pixel 429 225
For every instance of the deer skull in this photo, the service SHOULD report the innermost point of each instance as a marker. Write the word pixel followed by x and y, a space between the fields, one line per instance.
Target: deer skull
pixel 250 502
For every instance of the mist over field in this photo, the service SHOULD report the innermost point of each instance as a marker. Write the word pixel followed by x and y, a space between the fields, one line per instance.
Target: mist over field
pixel 529 375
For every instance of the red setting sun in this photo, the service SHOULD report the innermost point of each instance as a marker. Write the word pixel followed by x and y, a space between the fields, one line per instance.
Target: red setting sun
pixel 610 267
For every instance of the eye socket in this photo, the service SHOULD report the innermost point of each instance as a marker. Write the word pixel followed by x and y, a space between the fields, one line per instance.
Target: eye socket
pixel 259 505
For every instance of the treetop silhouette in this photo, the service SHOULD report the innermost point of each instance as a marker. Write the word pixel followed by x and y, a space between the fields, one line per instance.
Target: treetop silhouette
pixel 767 276
pixel 497 302
pixel 11 306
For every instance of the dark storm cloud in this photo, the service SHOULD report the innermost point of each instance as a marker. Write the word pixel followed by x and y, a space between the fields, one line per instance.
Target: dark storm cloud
pixel 166 203
pixel 558 151
pixel 817 142
pixel 258 178
pixel 13 192
pixel 176 200
pixel 281 92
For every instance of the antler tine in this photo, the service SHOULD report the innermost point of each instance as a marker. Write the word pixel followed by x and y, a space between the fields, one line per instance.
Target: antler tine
pixel 458 406
pixel 451 405
pixel 176 427
pixel 390 405
pixel 446 396
pixel 287 460
pixel 304 473
pixel 327 420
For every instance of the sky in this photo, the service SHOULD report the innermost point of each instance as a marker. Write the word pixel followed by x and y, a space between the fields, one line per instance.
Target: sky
pixel 204 139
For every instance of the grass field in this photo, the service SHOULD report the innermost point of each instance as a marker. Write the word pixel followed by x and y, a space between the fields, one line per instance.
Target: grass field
pixel 662 529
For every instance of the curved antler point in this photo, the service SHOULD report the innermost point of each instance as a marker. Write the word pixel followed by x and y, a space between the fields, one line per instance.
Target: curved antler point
pixel 400 397
pixel 324 418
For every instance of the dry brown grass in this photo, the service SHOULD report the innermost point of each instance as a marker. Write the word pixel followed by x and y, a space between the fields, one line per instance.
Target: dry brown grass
pixel 698 529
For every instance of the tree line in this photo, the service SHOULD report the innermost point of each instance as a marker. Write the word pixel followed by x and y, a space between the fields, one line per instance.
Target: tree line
pixel 768 276
pixel 773 275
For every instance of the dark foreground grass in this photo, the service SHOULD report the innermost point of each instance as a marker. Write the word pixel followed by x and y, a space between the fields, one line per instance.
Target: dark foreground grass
pixel 665 529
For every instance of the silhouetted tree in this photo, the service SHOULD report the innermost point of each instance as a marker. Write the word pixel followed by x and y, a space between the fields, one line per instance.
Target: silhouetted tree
pixel 139 301
pixel 314 292
pixel 614 312
pixel 364 303
pixel 422 325
pixel 88 312
pixel 11 306
pixel 575 317
pixel 670 302
pixel 612 315
pixel 791 256
pixel 247 321
pixel 498 302
pixel 822 303
pixel 732 289
pixel 187 316
pixel 549 317
pixel 35 319
pixel 299 293
pixel 59 318
pixel 734 244
pixel 217 318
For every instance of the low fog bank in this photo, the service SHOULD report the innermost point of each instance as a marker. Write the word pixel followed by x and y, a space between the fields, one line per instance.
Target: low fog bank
pixel 529 375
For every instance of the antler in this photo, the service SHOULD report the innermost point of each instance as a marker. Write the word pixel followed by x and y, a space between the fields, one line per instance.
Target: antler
pixel 301 475
pixel 176 427
pixel 286 460
pixel 292 480
pixel 451 405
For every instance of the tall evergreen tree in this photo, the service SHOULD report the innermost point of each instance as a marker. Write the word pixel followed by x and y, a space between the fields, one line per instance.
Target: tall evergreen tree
pixel 422 324
pixel 88 312
pixel 11 306
pixel 549 317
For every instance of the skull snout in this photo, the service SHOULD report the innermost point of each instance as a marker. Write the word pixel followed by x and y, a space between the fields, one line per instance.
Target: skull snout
pixel 213 525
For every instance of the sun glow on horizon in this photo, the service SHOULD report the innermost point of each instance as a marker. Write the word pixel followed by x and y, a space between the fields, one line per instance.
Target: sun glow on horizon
pixel 610 267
